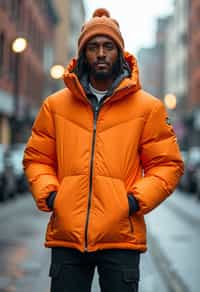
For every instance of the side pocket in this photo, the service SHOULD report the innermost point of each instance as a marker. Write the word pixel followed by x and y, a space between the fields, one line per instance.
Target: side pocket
pixel 131 278
pixel 59 192
pixel 54 270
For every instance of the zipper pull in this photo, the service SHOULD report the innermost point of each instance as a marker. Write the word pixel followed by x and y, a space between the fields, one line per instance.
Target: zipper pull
pixel 96 110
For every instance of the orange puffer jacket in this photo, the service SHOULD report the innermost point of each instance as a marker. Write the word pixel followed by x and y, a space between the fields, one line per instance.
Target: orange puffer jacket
pixel 94 160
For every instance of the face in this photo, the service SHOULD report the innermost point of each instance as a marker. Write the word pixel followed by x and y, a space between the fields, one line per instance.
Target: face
pixel 102 57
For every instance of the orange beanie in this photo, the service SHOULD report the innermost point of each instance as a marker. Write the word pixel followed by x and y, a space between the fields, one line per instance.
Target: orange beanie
pixel 100 24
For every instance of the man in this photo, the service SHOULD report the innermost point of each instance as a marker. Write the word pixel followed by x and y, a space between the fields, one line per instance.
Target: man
pixel 102 154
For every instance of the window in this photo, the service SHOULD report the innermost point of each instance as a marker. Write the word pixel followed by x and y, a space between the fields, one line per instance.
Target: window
pixel 184 38
pixel 12 9
pixel 2 42
pixel 3 4
pixel 18 9
pixel 12 62
pixel 15 10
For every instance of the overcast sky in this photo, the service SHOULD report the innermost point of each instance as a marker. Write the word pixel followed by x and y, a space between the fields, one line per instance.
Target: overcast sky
pixel 136 18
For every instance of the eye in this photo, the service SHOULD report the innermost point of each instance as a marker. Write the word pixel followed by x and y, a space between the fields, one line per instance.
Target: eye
pixel 109 46
pixel 91 47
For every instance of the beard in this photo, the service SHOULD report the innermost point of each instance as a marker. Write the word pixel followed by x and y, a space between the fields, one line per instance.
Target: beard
pixel 104 74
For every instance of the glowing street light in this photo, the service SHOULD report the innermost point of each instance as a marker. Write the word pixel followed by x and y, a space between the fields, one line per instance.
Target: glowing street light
pixel 57 71
pixel 19 45
pixel 170 101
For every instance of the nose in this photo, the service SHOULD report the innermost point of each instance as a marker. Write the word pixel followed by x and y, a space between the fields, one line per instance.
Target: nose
pixel 101 52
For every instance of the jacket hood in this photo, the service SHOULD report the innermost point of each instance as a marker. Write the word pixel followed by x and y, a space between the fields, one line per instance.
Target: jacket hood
pixel 127 85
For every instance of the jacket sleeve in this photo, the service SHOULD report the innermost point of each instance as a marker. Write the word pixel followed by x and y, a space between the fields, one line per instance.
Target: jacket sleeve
pixel 40 162
pixel 161 161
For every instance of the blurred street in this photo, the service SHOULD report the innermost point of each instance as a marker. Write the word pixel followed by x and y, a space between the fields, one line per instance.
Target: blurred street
pixel 171 264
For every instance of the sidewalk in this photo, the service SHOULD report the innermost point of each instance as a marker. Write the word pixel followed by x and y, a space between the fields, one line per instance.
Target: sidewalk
pixel 14 205
pixel 174 237
pixel 23 257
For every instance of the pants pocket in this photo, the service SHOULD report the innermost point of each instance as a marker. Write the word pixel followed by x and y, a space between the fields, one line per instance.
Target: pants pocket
pixel 131 278
pixel 55 270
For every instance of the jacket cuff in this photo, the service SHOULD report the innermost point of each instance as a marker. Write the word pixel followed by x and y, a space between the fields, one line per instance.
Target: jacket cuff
pixel 133 204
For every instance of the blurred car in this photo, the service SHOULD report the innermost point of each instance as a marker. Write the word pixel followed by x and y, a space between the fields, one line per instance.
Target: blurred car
pixel 190 178
pixel 16 155
pixel 7 176
pixel 183 181
pixel 2 150
pixel 197 177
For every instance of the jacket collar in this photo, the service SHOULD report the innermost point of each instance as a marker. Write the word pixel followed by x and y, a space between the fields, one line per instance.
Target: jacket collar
pixel 126 83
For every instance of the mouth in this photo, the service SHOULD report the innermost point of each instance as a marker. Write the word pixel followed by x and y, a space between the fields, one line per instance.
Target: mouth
pixel 101 65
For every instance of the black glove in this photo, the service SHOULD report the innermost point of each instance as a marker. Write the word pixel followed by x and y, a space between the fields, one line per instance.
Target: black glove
pixel 50 199
pixel 133 204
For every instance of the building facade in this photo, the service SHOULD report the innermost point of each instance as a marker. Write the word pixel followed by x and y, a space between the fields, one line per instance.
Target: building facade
pixel 149 67
pixel 152 62
pixel 71 17
pixel 193 101
pixel 176 48
pixel 77 18
pixel 194 52
pixel 34 21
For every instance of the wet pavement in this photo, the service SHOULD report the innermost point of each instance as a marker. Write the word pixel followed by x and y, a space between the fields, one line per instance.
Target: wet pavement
pixel 167 266
pixel 174 229
pixel 21 253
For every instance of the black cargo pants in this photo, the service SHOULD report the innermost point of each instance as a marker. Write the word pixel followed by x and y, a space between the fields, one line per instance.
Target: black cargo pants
pixel 72 271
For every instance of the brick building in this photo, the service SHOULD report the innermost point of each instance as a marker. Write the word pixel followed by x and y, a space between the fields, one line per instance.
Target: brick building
pixel 194 53
pixel 71 17
pixel 35 21
pixel 193 101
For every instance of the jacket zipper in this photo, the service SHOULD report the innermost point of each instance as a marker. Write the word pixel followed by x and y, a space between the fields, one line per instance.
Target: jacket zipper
pixel 96 112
